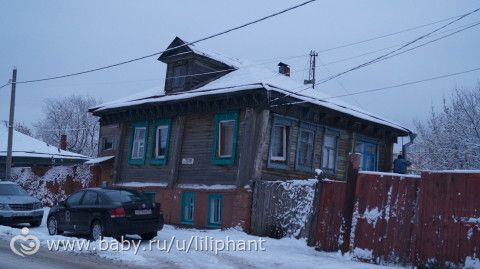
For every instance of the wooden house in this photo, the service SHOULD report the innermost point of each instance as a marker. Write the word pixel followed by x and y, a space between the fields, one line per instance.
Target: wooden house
pixel 220 124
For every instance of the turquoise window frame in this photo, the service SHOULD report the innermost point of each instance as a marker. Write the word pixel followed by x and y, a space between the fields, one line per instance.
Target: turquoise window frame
pixel 282 121
pixel 230 159
pixel 142 160
pixel 212 197
pixel 185 197
pixel 163 160
pixel 368 141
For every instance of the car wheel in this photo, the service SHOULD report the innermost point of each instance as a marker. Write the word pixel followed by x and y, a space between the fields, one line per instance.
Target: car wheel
pixel 52 226
pixel 35 223
pixel 96 231
pixel 148 236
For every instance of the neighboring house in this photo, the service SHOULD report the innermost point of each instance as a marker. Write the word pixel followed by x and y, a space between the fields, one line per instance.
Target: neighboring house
pixel 28 152
pixel 200 139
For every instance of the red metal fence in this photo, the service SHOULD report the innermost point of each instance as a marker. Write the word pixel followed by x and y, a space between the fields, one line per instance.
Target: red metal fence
pixel 448 227
pixel 428 221
pixel 329 217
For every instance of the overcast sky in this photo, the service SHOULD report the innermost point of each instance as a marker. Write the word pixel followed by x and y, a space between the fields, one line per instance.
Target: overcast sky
pixel 47 38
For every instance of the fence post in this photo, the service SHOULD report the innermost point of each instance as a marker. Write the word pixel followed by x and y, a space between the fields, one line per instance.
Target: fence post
pixel 347 212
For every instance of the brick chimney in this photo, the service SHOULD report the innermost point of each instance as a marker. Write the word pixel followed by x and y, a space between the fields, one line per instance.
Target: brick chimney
pixel 284 69
pixel 63 142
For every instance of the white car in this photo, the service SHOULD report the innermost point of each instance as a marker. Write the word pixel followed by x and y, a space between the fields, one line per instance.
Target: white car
pixel 17 206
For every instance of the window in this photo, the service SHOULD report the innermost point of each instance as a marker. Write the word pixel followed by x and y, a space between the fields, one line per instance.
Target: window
pixel 107 143
pixel 161 137
pixel 75 198
pixel 188 207
pixel 279 143
pixel 138 144
pixel 179 73
pixel 225 138
pixel 329 152
pixel 90 198
pixel 215 206
pixel 305 149
pixel 369 152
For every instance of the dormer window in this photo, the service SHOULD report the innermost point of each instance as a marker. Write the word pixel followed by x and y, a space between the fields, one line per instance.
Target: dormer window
pixel 179 73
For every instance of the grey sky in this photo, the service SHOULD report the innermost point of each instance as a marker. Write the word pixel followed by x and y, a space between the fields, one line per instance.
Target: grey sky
pixel 46 38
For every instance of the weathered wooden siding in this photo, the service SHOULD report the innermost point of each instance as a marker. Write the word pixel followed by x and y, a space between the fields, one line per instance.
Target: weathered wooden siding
pixel 197 144
pixel 343 151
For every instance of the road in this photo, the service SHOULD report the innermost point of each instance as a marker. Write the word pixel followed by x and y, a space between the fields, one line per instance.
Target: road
pixel 45 259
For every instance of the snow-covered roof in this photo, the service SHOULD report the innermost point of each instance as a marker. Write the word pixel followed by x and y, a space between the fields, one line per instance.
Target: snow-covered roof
pixel 251 77
pixel 27 146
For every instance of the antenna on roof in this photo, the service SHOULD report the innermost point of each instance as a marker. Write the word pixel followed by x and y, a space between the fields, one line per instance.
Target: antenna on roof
pixel 311 69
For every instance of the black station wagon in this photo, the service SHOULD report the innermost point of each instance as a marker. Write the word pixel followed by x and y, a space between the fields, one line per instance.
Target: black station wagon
pixel 106 212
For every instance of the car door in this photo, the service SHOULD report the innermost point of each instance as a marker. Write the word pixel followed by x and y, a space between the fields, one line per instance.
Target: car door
pixel 86 210
pixel 71 217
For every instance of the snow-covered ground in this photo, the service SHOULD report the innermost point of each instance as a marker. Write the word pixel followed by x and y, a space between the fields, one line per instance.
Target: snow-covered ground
pixel 283 253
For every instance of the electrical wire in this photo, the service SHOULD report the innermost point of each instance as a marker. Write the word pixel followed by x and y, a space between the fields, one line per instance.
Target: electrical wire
pixel 6 84
pixel 388 87
pixel 395 52
pixel 176 47
pixel 387 35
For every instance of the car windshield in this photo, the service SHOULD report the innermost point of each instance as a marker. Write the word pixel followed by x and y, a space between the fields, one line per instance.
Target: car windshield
pixel 125 196
pixel 12 189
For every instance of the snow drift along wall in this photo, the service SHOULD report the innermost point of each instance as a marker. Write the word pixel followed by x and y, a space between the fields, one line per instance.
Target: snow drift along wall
pixel 53 184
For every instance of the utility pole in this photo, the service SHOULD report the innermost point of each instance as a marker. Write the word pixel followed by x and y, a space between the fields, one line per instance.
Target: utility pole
pixel 311 71
pixel 10 126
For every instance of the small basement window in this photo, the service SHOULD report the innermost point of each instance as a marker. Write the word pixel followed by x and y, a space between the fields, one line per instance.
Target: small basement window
pixel 215 207
pixel 188 207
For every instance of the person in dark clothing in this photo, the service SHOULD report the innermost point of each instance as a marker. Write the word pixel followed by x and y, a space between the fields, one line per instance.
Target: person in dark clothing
pixel 400 165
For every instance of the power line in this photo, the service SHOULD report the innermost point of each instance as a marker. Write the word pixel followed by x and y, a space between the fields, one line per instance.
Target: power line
pixel 379 58
pixel 394 52
pixel 396 45
pixel 388 87
pixel 262 62
pixel 160 52
pixel 338 82
pixel 387 35
pixel 5 85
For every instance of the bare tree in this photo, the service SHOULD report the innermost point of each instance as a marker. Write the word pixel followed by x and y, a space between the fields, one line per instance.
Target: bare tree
pixel 23 128
pixel 450 138
pixel 70 116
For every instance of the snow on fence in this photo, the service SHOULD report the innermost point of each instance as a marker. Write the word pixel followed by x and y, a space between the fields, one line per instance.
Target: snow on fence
pixel 283 208
pixel 432 221
pixel 53 184
pixel 383 218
